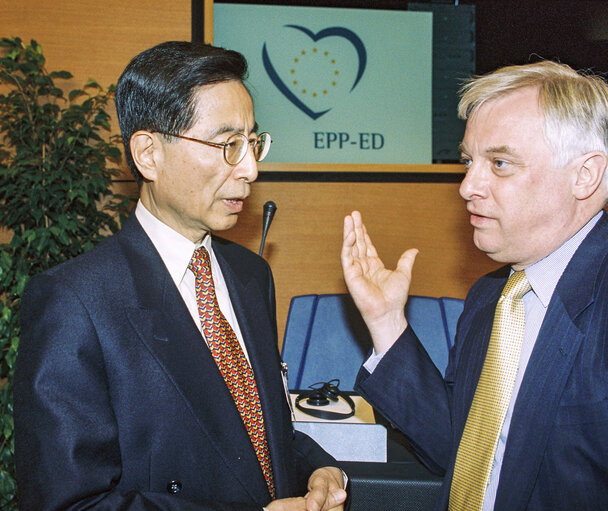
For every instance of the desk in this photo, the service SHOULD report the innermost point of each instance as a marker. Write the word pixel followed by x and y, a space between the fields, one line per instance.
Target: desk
pixel 400 484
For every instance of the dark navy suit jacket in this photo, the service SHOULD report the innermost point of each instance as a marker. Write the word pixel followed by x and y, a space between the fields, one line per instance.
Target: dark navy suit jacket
pixel 119 405
pixel 556 454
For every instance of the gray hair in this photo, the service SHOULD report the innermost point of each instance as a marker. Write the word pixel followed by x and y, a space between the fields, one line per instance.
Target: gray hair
pixel 575 104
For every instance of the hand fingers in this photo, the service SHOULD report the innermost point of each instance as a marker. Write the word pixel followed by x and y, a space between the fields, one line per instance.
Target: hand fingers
pixel 355 241
pixel 349 226
pixel 360 235
pixel 406 261
pixel 289 504
pixel 346 255
pixel 314 500
pixel 369 246
pixel 336 498
pixel 324 499
pixel 325 489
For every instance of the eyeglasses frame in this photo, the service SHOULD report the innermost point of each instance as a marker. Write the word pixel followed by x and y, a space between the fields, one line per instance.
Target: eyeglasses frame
pixel 222 145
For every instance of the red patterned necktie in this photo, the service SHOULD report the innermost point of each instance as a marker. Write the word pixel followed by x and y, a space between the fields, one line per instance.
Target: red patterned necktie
pixel 231 361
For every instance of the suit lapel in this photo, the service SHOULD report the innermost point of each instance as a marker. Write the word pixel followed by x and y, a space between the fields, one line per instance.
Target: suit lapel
pixel 470 352
pixel 165 326
pixel 471 346
pixel 257 326
pixel 550 365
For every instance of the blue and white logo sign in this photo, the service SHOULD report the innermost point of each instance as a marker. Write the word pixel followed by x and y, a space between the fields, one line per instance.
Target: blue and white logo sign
pixel 336 85
pixel 315 73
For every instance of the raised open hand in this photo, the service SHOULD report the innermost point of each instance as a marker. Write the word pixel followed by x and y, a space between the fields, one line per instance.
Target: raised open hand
pixel 380 294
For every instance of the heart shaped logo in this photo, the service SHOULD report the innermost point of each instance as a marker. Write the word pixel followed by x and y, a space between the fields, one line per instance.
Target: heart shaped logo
pixel 315 71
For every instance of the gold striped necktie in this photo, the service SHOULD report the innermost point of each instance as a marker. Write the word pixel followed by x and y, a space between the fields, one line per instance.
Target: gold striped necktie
pixel 477 447
pixel 231 361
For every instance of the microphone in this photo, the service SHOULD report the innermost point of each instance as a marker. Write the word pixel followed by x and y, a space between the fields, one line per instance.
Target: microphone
pixel 269 210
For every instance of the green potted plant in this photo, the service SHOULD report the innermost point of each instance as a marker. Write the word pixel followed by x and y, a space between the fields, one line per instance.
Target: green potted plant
pixel 57 161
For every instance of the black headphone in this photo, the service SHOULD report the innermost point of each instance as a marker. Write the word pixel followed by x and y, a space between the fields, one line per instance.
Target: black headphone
pixel 321 396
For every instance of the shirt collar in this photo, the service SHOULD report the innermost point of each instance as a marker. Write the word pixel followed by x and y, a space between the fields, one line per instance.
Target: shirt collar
pixel 545 274
pixel 175 250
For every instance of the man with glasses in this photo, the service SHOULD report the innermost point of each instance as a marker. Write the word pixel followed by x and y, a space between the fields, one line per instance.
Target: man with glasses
pixel 149 375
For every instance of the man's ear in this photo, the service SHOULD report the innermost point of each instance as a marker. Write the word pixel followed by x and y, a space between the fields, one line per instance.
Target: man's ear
pixel 146 150
pixel 590 172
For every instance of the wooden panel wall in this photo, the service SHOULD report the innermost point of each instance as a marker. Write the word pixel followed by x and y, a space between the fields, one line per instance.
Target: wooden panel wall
pixel 305 238
pixel 97 39
pixel 92 38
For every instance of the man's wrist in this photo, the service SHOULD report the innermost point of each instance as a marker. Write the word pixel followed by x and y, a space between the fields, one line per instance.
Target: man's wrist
pixel 385 332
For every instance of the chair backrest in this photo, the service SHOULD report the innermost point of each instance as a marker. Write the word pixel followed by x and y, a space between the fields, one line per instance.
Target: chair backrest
pixel 425 316
pixel 337 343
pixel 326 338
pixel 297 332
pixel 452 309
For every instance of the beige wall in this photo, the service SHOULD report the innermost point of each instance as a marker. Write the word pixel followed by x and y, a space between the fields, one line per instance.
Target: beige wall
pixel 94 38
pixel 97 39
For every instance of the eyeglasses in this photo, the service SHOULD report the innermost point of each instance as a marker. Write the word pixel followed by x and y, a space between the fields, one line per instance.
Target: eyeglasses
pixel 235 148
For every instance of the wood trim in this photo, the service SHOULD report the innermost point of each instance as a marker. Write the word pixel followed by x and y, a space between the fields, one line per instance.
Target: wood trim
pixel 208 21
pixel 436 168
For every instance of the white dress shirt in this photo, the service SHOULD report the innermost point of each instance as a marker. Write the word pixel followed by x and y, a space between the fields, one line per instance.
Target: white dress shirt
pixel 176 251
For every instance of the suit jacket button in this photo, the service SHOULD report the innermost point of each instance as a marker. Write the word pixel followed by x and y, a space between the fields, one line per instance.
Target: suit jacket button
pixel 174 487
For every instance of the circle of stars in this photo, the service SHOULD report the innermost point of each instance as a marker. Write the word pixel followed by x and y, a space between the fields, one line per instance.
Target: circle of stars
pixel 314 93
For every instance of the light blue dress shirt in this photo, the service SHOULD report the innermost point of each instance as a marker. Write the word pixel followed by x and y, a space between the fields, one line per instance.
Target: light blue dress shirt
pixel 543 277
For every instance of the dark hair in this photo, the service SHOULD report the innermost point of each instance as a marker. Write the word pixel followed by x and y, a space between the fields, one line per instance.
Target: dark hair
pixel 157 88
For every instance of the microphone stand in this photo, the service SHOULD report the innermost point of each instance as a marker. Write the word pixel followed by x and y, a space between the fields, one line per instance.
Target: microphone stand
pixel 269 210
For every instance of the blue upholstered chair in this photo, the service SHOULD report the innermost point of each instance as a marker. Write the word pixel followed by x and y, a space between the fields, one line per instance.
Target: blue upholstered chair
pixel 452 308
pixel 326 338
